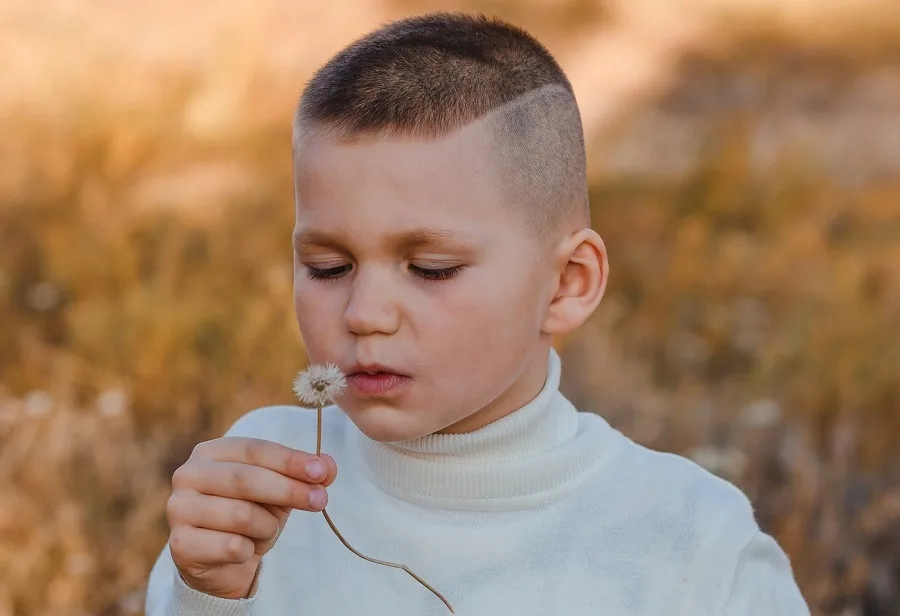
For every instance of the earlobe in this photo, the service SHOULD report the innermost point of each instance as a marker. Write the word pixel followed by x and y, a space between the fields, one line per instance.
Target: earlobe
pixel 583 273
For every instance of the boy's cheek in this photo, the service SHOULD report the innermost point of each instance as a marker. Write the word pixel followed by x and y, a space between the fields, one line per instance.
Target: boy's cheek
pixel 318 330
pixel 311 303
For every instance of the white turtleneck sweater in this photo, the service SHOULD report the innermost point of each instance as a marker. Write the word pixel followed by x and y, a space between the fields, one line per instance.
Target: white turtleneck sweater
pixel 546 512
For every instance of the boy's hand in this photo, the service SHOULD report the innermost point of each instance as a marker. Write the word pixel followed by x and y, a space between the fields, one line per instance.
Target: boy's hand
pixel 230 502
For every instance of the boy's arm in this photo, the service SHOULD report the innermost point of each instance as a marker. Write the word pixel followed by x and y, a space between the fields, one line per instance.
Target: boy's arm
pixel 168 595
pixel 764 582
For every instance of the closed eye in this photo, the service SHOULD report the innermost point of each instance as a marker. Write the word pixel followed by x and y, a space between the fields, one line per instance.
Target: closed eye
pixel 436 273
pixel 426 273
pixel 328 273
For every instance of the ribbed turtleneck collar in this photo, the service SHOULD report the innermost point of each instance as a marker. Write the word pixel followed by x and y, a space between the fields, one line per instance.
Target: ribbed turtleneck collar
pixel 527 458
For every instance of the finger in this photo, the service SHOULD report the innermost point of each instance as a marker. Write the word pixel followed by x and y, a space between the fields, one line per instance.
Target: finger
pixel 253 483
pixel 267 454
pixel 191 546
pixel 281 513
pixel 223 514
pixel 332 470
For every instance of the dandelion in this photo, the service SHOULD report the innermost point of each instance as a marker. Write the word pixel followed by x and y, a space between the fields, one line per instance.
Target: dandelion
pixel 318 386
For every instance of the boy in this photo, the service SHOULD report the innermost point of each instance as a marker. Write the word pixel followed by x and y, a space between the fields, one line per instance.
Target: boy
pixel 442 239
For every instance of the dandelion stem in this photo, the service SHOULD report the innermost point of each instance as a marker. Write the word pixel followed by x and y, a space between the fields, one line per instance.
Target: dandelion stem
pixel 385 563
pixel 354 550
pixel 319 432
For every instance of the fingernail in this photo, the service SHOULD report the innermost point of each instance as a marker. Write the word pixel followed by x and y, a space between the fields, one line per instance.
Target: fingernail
pixel 317 498
pixel 315 469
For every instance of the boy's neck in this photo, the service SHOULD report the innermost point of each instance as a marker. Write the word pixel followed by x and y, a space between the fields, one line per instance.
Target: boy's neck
pixel 527 458
pixel 526 386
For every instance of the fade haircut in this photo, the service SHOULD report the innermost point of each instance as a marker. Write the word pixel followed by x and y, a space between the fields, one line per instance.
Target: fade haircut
pixel 425 77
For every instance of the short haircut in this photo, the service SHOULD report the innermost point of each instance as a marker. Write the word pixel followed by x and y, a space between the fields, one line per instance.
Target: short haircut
pixel 427 76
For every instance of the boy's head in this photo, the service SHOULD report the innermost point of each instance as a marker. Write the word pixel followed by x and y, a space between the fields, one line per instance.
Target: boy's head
pixel 442 222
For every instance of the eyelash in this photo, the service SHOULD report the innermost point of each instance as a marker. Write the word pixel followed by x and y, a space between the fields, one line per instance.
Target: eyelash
pixel 334 273
pixel 436 274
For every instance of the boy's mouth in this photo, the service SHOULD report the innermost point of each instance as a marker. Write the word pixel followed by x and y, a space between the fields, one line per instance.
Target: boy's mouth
pixel 374 380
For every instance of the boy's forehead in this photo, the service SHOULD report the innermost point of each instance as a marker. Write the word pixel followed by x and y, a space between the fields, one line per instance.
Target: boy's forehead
pixel 431 176
pixel 377 184
pixel 470 146
pixel 411 222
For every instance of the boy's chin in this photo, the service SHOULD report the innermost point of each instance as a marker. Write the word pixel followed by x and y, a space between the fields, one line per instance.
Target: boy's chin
pixel 388 424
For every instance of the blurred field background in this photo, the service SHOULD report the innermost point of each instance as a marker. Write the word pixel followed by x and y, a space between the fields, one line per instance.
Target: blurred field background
pixel 745 161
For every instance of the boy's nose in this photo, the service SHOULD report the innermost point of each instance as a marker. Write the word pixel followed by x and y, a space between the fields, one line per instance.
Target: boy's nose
pixel 370 309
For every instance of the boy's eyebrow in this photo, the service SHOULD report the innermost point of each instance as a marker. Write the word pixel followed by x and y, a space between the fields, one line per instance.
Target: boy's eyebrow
pixel 411 238
pixel 314 238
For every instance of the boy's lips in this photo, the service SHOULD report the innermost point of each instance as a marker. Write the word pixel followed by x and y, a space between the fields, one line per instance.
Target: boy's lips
pixel 374 379
pixel 370 368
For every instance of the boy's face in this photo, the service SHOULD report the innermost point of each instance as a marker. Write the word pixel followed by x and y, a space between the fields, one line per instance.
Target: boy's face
pixel 409 264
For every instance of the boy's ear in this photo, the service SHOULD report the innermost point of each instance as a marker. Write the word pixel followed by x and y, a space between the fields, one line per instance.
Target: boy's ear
pixel 583 270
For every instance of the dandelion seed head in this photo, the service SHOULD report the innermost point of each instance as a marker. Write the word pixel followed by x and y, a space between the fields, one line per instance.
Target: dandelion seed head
pixel 319 384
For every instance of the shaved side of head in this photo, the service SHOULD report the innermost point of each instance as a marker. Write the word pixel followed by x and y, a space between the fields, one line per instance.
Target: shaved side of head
pixel 539 151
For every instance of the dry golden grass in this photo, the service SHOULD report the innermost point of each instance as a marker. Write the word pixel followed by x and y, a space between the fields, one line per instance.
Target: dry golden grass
pixel 145 292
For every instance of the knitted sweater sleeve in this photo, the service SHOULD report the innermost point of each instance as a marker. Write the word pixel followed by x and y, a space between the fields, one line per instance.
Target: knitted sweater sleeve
pixel 764 583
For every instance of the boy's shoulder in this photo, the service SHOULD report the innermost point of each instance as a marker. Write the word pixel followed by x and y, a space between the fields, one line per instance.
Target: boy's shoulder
pixel 289 425
pixel 670 486
pixel 696 531
pixel 680 472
